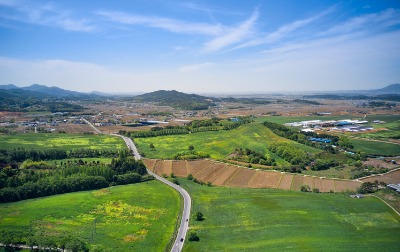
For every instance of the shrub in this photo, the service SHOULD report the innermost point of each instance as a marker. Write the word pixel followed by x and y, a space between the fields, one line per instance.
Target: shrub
pixel 305 188
pixel 315 190
pixel 193 236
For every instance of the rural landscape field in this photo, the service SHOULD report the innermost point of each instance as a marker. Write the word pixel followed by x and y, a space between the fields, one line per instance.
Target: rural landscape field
pixel 199 125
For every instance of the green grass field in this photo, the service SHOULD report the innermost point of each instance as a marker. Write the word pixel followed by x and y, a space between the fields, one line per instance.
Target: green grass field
pixel 376 148
pixel 139 217
pixel 240 219
pixel 64 141
pixel 218 144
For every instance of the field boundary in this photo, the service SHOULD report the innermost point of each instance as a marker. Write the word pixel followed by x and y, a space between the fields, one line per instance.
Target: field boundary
pixel 370 195
pixel 208 170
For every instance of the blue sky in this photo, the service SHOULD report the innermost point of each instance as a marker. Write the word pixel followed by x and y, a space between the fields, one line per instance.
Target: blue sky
pixel 200 46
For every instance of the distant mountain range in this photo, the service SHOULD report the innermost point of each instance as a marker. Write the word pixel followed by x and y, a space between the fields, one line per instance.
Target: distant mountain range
pixel 391 89
pixel 161 96
pixel 50 91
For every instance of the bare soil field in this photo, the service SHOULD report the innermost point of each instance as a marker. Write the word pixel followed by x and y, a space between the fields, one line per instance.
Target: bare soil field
pixel 346 185
pixel 179 168
pixel 149 163
pixel 222 174
pixel 71 128
pixel 298 181
pixel 389 178
pixel 218 168
pixel 242 178
pixel 196 166
pixel 286 181
pixel 324 185
pixel 380 163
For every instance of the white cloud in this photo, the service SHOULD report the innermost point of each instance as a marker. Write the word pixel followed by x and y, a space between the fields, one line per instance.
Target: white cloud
pixel 233 35
pixel 196 67
pixel 168 24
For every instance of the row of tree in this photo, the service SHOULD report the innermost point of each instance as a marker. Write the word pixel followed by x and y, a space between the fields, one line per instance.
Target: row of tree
pixel 37 179
pixel 251 156
pixel 21 154
pixel 214 124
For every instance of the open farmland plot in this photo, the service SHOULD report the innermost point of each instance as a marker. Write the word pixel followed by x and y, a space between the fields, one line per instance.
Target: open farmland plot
pixel 75 128
pixel 196 166
pixel 179 168
pixel 227 173
pixel 346 185
pixel 218 168
pixel 218 144
pixel 376 148
pixel 324 185
pixel 139 217
pixel 61 141
pixel 244 219
pixel 222 174
pixel 286 181
pixel 149 163
pixel 264 179
pixel 389 178
pixel 242 178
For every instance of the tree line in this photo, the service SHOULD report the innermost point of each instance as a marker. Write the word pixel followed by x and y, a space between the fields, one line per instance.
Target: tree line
pixel 21 154
pixel 38 178
pixel 214 124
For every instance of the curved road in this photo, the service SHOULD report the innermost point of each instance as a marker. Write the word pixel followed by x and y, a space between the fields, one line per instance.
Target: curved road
pixel 187 201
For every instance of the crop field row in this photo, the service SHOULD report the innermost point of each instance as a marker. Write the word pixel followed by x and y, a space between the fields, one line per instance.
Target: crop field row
pixel 222 174
pixel 244 219
pixel 218 144
pixel 138 217
pixel 392 177
pixel 41 141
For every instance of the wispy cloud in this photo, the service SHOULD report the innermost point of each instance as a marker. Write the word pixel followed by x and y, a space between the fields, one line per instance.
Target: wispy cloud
pixel 233 35
pixel 168 24
pixel 368 22
pixel 191 68
pixel 46 14
pixel 285 30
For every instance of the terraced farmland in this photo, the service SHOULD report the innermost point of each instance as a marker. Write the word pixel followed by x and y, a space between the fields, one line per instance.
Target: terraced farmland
pixel 222 174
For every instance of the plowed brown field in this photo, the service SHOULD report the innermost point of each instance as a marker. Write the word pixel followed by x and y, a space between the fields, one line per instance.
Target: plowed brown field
pixel 286 181
pixel 242 178
pixel 346 185
pixel 222 174
pixel 388 178
pixel 149 163
pixel 179 168
pixel 324 185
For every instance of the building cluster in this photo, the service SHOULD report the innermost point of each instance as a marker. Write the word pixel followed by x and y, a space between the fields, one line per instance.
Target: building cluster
pixel 340 125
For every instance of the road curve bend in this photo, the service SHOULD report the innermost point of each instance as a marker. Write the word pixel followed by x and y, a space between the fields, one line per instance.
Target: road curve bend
pixel 187 201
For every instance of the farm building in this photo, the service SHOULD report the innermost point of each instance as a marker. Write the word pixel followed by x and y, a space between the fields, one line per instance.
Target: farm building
pixel 319 140
pixel 395 187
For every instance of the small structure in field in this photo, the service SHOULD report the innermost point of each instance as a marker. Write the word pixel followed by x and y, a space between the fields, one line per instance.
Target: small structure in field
pixel 395 187
pixel 357 196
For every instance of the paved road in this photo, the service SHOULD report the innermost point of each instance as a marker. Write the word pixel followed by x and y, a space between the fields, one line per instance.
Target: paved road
pixel 187 201
pixel 91 125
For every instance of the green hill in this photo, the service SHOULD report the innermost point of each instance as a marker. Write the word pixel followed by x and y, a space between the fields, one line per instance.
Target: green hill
pixel 176 99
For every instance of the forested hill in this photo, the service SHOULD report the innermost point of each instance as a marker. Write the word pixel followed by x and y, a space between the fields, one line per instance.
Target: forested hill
pixel 43 90
pixel 176 99
pixel 20 100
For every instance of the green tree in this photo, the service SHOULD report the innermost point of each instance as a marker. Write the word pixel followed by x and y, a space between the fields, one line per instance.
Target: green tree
pixel 199 216
pixel 193 236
